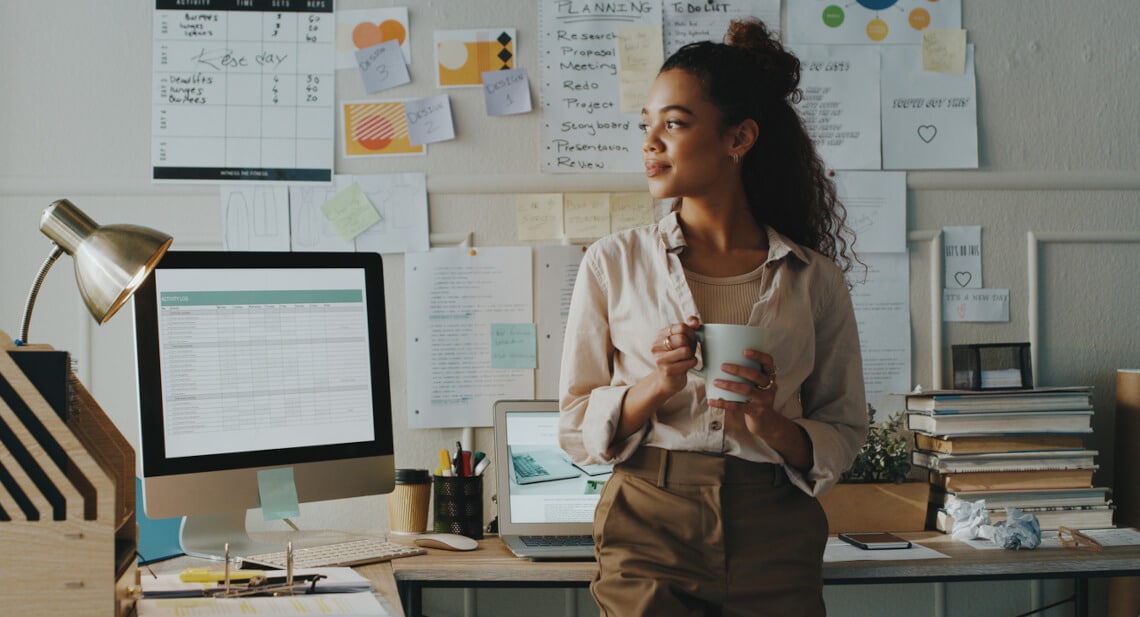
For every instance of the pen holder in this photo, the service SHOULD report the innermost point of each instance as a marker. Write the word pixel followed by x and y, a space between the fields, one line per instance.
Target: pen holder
pixel 459 505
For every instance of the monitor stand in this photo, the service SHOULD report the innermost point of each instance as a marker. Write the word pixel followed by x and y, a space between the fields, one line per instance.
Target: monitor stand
pixel 206 535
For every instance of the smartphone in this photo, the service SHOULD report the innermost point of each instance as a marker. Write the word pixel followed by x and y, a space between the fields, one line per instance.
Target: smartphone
pixel 875 541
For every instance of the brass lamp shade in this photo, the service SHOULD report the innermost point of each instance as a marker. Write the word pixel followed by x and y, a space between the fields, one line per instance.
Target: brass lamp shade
pixel 111 261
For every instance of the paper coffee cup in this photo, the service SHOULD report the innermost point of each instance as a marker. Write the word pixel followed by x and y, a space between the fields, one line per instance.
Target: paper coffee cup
pixel 408 503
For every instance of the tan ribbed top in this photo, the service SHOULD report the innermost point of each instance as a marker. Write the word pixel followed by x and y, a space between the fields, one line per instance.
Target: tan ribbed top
pixel 725 299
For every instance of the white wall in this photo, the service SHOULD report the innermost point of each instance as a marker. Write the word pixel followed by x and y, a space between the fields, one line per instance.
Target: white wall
pixel 1060 154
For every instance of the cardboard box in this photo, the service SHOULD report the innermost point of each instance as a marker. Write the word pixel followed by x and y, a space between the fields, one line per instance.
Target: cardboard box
pixel 876 507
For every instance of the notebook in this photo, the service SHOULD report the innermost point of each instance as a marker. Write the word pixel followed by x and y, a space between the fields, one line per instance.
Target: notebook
pixel 545 502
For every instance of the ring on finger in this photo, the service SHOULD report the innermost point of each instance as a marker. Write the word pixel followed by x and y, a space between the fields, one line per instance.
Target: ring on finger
pixel 668 345
pixel 771 380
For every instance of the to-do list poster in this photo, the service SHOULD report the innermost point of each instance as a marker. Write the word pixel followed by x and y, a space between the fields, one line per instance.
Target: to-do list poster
pixel 243 90
pixel 584 129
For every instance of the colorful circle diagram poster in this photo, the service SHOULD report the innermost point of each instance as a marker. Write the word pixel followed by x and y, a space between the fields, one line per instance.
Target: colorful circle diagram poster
pixel 868 22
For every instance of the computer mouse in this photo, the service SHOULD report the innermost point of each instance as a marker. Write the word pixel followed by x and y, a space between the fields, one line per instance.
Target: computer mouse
pixel 446 541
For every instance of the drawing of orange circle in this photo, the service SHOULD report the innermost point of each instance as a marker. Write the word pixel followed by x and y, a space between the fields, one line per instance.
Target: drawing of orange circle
pixel 366 34
pixel 919 19
pixel 877 29
pixel 390 29
pixel 374 132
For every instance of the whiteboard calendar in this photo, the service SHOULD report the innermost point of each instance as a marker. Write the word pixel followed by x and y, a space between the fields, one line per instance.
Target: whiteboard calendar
pixel 243 91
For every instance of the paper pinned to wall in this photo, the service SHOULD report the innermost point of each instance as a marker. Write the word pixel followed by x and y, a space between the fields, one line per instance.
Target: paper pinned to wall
pixel 506 92
pixel 840 106
pixel 869 22
pixel 363 28
pixel 513 345
pixel 962 257
pixel 255 218
pixel 309 230
pixel 882 312
pixel 640 56
pixel 586 215
pixel 690 21
pixel 453 296
pixel 630 210
pixel 462 56
pixel 944 50
pixel 930 120
pixel 401 200
pixel 876 208
pixel 557 271
pixel 382 67
pixel 989 305
pixel 429 120
pixel 349 212
pixel 539 216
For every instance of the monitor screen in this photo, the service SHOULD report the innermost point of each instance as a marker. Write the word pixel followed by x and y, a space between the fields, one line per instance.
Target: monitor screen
pixel 254 367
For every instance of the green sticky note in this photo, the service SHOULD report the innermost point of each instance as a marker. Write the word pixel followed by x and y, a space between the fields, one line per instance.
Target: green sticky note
pixel 277 493
pixel 350 213
pixel 513 345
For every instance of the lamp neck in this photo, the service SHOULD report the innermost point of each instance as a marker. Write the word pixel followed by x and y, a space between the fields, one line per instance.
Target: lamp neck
pixel 66 225
pixel 35 291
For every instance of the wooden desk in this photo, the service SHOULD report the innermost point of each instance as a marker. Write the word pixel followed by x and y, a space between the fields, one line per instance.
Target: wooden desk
pixel 492 565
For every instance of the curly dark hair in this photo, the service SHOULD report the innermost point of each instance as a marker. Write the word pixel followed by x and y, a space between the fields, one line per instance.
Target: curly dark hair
pixel 751 75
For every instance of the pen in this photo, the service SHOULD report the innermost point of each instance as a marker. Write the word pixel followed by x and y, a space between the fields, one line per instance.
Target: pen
pixel 467 463
pixel 457 462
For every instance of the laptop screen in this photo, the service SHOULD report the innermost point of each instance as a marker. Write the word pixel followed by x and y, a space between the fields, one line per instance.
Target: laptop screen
pixel 543 485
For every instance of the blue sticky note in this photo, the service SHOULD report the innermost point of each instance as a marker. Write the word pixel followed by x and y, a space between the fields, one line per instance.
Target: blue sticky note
pixel 513 345
pixel 158 537
pixel 277 493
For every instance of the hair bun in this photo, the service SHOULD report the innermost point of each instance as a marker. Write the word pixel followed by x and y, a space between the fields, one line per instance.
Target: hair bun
pixel 777 67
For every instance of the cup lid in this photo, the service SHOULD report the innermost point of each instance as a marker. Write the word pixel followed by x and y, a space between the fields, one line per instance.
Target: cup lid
pixel 413 476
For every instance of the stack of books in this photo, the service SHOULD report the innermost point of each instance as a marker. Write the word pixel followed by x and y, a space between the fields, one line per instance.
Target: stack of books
pixel 1013 448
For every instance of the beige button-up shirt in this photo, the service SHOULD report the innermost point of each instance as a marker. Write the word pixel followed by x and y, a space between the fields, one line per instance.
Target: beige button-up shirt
pixel 631 284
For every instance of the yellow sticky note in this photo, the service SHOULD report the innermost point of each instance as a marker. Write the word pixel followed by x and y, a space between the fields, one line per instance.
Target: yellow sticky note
pixel 539 216
pixel 629 210
pixel 277 493
pixel 640 55
pixel 350 213
pixel 944 51
pixel 587 214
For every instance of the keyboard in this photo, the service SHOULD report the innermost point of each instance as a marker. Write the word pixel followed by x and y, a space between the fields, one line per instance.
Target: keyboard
pixel 527 467
pixel 350 553
pixel 558 540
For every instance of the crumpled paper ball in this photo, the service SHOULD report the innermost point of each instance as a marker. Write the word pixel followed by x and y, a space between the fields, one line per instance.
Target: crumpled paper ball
pixel 1017 531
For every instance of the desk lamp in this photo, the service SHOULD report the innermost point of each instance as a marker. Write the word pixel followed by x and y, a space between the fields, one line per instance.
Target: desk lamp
pixel 111 261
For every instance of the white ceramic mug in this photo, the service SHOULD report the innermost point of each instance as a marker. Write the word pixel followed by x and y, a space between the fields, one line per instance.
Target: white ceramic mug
pixel 720 343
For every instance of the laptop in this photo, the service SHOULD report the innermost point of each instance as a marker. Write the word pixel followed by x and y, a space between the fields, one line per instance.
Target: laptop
pixel 545 502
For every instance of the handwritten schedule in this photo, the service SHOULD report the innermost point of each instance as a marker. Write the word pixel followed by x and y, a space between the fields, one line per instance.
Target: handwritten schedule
pixel 584 129
pixel 243 90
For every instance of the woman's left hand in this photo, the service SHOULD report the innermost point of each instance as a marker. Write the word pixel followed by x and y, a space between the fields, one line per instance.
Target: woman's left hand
pixel 759 387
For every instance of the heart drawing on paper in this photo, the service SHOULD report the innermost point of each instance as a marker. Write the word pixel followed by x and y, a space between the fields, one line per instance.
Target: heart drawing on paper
pixel 963 278
pixel 926 132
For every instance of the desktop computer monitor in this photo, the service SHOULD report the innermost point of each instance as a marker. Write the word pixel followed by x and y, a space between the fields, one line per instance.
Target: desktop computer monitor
pixel 253 367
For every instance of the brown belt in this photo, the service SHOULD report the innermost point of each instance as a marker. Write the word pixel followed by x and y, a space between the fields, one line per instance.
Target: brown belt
pixel 665 467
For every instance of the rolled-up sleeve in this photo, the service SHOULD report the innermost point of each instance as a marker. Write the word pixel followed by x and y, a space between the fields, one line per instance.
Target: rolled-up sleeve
pixel 591 404
pixel 833 395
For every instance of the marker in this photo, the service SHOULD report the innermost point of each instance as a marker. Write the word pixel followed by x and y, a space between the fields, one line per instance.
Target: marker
pixel 467 462
pixel 204 575
pixel 478 457
pixel 483 464
pixel 445 463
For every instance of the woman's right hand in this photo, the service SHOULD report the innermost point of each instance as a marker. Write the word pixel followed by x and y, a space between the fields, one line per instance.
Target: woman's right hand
pixel 675 353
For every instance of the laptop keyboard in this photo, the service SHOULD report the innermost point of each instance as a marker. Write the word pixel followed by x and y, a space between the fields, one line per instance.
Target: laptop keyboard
pixel 527 467
pixel 557 540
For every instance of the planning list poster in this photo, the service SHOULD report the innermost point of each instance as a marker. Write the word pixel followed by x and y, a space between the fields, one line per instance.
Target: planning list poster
pixel 243 90
pixel 584 128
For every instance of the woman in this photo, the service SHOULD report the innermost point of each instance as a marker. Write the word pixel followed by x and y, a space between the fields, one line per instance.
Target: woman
pixel 711 509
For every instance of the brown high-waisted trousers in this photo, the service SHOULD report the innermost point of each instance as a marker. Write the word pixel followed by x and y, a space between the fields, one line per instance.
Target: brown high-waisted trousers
pixel 686 533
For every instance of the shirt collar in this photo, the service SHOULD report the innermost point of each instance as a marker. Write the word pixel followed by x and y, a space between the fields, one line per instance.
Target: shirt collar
pixel 779 246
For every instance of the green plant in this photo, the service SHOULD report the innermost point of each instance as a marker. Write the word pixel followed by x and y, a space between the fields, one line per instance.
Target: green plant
pixel 885 457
